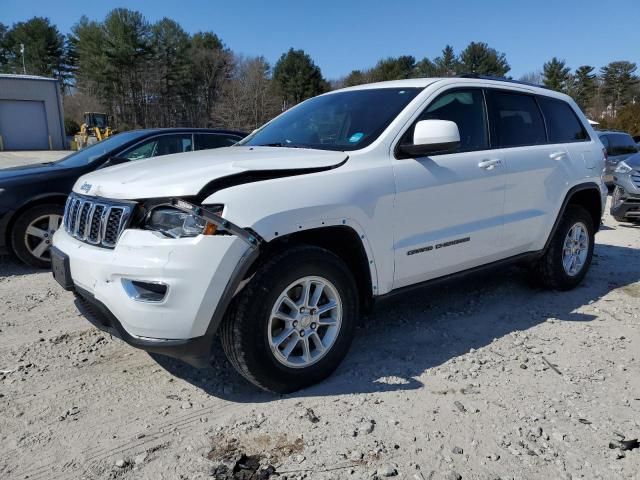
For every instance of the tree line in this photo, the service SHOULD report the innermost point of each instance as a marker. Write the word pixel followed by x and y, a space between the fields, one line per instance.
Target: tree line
pixel 158 75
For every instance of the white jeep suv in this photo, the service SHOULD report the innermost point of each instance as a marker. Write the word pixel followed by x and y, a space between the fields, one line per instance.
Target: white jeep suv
pixel 276 244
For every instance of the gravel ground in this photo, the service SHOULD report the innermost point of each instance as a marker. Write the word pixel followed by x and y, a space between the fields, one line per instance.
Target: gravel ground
pixel 482 379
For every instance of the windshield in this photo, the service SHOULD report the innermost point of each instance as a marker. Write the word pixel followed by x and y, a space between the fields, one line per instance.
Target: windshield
pixel 89 154
pixel 338 121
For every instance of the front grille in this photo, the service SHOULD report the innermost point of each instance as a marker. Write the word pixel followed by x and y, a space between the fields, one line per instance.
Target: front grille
pixel 96 221
pixel 635 178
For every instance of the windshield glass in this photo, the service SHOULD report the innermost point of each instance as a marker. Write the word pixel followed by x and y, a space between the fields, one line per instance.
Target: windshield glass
pixel 338 121
pixel 89 154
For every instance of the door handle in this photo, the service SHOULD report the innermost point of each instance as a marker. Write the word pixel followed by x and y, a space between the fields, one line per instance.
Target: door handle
pixel 558 155
pixel 490 164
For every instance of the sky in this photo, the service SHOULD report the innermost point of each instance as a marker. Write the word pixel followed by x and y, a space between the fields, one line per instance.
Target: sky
pixel 345 35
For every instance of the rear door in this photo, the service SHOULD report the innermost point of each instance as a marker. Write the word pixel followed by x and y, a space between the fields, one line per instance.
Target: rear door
pixel 537 173
pixel 565 128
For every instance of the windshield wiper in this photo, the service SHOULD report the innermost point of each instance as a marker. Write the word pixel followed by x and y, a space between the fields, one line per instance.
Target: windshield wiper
pixel 279 144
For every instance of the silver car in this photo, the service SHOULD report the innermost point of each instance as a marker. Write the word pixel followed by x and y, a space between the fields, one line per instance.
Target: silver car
pixel 620 146
pixel 625 203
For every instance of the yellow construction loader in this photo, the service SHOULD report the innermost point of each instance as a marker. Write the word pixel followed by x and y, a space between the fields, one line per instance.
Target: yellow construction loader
pixel 96 127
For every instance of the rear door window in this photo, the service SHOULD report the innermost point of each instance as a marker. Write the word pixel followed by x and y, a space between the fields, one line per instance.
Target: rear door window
pixel 161 145
pixel 516 120
pixel 563 125
pixel 206 141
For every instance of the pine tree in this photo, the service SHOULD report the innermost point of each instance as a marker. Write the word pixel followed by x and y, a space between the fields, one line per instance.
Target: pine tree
pixel 556 75
pixel 43 48
pixel 583 87
pixel 298 77
pixel 618 81
pixel 479 58
pixel 394 68
pixel 446 65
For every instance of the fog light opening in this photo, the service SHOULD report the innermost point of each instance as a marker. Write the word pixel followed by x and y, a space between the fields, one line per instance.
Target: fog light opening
pixel 141 291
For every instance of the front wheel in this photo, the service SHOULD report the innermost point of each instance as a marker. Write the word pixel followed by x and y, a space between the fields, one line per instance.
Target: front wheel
pixel 567 260
pixel 294 322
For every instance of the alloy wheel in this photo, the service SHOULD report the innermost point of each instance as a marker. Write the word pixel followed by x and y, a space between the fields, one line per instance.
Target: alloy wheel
pixel 575 249
pixel 304 322
pixel 39 234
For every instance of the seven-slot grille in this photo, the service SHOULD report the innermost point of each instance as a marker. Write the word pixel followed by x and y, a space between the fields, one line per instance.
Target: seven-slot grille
pixel 635 177
pixel 95 221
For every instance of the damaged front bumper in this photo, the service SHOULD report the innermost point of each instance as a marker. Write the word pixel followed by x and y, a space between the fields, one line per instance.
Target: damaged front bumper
pixel 625 202
pixel 160 294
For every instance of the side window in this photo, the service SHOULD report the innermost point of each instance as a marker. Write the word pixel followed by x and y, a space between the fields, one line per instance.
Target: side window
pixel 622 144
pixel 563 125
pixel 161 145
pixel 516 120
pixel 464 107
pixel 605 141
pixel 145 150
pixel 206 141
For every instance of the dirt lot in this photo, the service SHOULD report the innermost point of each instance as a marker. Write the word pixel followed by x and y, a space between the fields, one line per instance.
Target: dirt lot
pixel 483 379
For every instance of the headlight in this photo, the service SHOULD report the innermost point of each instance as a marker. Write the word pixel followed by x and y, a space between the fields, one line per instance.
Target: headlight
pixel 623 168
pixel 178 224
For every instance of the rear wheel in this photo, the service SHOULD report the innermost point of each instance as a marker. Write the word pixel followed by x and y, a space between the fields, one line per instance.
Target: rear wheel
pixel 293 323
pixel 32 233
pixel 567 260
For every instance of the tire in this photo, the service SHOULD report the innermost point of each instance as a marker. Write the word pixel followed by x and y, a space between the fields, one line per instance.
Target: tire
pixel 249 328
pixel 27 247
pixel 549 270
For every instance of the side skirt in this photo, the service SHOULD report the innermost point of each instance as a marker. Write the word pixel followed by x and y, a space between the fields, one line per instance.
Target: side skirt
pixel 481 269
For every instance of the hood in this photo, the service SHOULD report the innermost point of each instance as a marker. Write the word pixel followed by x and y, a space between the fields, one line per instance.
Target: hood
pixel 187 174
pixel 633 161
pixel 28 171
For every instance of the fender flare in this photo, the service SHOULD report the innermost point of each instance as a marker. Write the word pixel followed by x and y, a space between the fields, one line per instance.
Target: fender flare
pixel 567 199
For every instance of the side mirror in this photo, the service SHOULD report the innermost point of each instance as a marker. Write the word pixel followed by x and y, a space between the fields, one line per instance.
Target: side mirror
pixel 431 137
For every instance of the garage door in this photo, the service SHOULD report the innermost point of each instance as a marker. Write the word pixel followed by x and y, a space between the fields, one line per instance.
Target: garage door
pixel 23 125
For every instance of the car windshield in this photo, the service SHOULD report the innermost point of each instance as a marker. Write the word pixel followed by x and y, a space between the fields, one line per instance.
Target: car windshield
pixel 98 150
pixel 338 121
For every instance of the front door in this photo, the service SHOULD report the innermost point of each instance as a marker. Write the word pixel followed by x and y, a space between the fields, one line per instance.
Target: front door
pixel 449 208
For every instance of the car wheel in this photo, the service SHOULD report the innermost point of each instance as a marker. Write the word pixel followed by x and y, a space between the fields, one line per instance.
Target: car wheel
pixel 32 233
pixel 568 257
pixel 294 322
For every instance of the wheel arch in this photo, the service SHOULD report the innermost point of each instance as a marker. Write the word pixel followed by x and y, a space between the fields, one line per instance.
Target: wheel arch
pixel 342 240
pixel 586 195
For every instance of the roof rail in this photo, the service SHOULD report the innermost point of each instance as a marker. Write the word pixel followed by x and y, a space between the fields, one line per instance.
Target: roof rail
pixel 499 79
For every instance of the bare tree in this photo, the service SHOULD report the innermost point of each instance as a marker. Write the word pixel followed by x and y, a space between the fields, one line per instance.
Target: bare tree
pixel 249 98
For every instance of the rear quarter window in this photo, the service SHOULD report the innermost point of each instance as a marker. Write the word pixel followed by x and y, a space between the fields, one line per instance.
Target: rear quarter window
pixel 563 125
pixel 206 141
